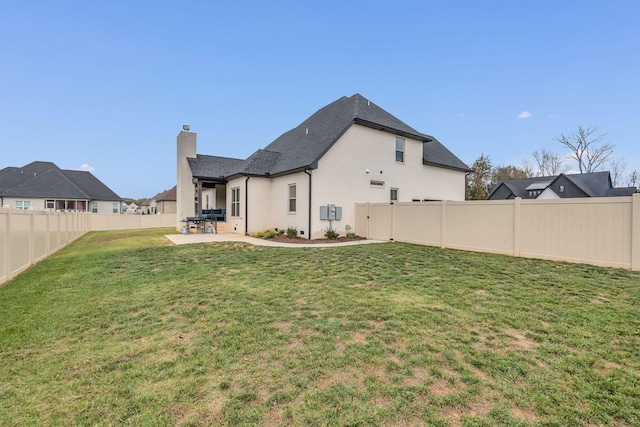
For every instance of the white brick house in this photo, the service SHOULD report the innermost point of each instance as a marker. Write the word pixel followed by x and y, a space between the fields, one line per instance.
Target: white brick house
pixel 348 151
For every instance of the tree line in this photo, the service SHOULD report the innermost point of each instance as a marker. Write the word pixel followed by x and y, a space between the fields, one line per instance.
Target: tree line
pixel 586 146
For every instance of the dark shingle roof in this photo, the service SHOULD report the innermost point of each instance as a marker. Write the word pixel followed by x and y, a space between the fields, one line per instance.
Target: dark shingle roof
pixel 167 195
pixel 593 184
pixel 46 180
pixel 304 145
pixel 213 166
pixel 434 153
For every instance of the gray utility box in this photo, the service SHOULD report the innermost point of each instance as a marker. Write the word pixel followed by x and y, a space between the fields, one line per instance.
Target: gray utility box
pixel 331 212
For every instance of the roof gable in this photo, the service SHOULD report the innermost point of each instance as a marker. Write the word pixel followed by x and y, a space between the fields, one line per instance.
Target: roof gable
pixel 303 146
pixel 593 184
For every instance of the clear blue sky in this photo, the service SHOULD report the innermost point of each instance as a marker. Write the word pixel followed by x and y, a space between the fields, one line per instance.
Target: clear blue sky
pixel 109 84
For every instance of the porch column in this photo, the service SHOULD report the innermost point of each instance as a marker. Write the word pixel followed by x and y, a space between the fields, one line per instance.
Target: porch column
pixel 199 190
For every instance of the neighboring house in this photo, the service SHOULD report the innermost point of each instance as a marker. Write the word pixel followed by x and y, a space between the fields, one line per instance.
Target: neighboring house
pixel 165 202
pixel 44 186
pixel 130 208
pixel 144 206
pixel 594 184
pixel 348 151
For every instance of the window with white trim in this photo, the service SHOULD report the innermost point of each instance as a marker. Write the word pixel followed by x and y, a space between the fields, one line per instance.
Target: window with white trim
pixel 23 204
pixel 292 198
pixel 399 149
pixel 94 207
pixel 115 207
pixel 49 204
pixel 235 201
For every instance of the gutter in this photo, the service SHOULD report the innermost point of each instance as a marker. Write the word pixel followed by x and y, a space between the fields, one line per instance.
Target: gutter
pixel 307 172
pixel 246 206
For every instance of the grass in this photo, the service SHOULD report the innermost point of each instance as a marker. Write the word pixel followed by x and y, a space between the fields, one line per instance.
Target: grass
pixel 124 329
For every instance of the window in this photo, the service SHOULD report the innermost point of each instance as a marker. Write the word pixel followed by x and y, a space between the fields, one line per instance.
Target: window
pixel 115 208
pixel 49 204
pixel 394 195
pixel 23 204
pixel 562 188
pixel 292 198
pixel 399 149
pixel 235 201
pixel 94 207
pixel 377 184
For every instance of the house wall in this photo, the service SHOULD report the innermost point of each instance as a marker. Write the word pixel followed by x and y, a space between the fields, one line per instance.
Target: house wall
pixel 342 178
pixel 166 207
pixel 236 222
pixel 260 204
pixel 216 197
pixel 547 194
pixel 281 218
pixel 220 196
pixel 104 206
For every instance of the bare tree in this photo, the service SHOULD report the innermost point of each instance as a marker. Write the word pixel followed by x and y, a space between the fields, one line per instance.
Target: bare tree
pixel 527 168
pixel 549 163
pixel 633 180
pixel 587 148
pixel 617 168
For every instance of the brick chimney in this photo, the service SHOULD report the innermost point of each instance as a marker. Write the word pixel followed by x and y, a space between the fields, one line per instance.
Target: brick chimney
pixel 185 190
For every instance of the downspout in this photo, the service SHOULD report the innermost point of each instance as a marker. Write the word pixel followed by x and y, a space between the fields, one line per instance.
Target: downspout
pixel 246 206
pixel 307 172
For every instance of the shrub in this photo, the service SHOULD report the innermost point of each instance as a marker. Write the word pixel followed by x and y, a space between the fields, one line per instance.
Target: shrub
pixel 292 232
pixel 269 234
pixel 260 234
pixel 331 234
pixel 351 235
pixel 280 232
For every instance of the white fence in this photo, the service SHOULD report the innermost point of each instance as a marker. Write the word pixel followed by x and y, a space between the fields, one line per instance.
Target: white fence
pixel 29 236
pixel 598 231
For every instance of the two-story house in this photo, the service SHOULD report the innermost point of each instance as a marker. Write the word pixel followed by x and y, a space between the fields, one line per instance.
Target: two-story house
pixel 348 151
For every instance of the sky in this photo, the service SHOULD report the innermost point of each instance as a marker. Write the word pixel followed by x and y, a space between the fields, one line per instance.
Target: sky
pixel 106 86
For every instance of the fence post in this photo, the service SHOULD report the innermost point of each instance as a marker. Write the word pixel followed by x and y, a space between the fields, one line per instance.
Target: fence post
pixel 393 221
pixel 32 237
pixel 7 253
pixel 516 225
pixel 368 220
pixel 635 232
pixel 443 224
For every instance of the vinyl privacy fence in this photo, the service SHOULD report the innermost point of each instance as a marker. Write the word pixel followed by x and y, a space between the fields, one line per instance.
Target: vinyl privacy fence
pixel 598 231
pixel 29 236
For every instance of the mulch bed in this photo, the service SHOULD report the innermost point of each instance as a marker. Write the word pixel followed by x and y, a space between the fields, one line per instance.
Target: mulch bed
pixel 302 240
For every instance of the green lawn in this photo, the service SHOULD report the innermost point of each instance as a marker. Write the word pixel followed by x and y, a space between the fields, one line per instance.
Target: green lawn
pixel 120 328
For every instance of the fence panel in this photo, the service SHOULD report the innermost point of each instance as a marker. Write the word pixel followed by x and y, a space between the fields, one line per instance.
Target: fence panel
pixel 595 231
pixel 418 223
pixel 486 226
pixel 362 220
pixel 598 231
pixel 29 236
pixel 380 222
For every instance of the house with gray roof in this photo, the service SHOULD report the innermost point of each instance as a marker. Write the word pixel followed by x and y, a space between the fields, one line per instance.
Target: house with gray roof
pixel 563 186
pixel 349 151
pixel 44 186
